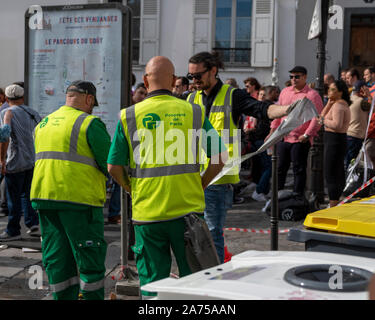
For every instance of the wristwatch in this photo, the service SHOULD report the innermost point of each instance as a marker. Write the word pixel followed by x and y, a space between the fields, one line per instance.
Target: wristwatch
pixel 306 136
pixel 321 121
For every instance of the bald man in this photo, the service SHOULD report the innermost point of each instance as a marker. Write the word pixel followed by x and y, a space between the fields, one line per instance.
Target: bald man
pixel 155 138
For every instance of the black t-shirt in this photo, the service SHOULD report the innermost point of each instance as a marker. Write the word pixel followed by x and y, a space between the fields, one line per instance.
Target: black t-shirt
pixel 242 103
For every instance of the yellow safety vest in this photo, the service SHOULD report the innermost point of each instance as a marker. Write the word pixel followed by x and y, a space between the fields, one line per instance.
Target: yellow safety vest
pixel 65 168
pixel 164 165
pixel 221 118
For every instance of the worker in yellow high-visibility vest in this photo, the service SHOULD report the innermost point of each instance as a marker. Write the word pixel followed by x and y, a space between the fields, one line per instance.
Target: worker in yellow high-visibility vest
pixel 68 190
pixel 155 137
pixel 224 105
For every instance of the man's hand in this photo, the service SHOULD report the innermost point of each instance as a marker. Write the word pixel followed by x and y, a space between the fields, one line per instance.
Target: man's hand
pixel 275 111
pixel 365 91
pixel 121 177
pixel 320 120
pixel 215 165
pixel 303 138
pixel 272 130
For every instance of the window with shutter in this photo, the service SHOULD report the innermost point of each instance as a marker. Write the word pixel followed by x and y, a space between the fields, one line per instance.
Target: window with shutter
pixel 262 33
pixel 202 25
pixel 135 6
pixel 145 29
pixel 149 30
pixel 233 31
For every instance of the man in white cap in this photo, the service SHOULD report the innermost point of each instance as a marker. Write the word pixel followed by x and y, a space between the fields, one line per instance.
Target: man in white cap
pixel 17 157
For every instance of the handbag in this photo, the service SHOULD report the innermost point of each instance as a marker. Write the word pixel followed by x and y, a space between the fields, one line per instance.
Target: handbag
pixel 200 249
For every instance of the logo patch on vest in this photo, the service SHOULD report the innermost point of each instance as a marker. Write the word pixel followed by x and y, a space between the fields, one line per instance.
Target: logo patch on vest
pixel 151 121
pixel 43 122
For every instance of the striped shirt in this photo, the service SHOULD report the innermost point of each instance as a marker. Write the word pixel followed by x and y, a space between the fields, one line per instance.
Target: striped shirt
pixel 21 152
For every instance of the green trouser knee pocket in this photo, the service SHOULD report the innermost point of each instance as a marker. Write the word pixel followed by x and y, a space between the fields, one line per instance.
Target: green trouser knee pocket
pixel 144 270
pixel 145 273
pixel 90 256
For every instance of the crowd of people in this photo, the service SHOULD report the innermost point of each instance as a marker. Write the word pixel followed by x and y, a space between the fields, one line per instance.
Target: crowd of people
pixel 47 164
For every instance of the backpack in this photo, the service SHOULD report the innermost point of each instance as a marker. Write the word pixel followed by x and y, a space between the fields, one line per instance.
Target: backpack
pixel 356 180
pixel 292 206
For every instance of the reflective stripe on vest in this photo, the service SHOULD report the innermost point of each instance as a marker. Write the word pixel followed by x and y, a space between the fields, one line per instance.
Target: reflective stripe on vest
pixel 221 118
pixel 93 286
pixel 164 171
pixel 227 110
pixel 138 172
pixel 72 154
pixel 57 155
pixel 75 133
pixel 57 287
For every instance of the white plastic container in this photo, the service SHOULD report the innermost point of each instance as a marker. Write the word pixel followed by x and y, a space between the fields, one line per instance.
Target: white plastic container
pixel 256 275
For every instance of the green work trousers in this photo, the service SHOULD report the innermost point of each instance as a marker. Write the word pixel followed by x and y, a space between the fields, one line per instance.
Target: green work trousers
pixel 153 250
pixel 73 242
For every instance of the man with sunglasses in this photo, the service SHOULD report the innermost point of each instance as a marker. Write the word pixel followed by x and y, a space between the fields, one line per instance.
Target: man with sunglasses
pixel 295 146
pixel 224 105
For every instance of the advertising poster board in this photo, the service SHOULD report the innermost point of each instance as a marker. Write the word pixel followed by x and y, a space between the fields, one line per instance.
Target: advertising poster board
pixel 78 42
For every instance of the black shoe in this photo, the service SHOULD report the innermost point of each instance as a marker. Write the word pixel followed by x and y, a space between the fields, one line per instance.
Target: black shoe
pixel 4 212
pixel 238 200
pixel 114 220
pixel 6 237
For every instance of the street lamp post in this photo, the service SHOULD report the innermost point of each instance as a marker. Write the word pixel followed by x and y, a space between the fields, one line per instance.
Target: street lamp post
pixel 316 153
pixel 274 203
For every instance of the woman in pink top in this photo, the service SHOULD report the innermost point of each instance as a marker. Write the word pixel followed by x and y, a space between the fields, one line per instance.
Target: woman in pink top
pixel 336 118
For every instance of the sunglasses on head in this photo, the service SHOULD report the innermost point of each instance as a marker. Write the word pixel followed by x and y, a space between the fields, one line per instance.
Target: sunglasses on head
pixel 197 75
pixel 295 77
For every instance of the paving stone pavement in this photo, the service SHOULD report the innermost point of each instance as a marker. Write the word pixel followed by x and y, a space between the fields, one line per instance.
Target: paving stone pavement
pixel 15 264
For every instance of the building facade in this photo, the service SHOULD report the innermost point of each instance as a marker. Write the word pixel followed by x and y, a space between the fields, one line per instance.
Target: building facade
pixel 257 38
pixel 243 31
pixel 350 35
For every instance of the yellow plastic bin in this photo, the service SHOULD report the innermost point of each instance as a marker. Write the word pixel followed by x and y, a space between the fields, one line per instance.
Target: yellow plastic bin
pixel 346 229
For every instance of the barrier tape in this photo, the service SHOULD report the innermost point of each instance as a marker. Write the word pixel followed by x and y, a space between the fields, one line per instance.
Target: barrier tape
pixel 358 190
pixel 263 231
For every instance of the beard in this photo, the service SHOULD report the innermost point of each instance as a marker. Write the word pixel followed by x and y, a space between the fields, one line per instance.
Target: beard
pixel 203 85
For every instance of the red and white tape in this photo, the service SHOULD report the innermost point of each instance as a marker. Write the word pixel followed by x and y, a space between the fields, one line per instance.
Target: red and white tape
pixel 358 190
pixel 264 231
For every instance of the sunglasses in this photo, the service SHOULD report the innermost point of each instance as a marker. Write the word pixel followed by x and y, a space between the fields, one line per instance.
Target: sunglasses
pixel 197 75
pixel 295 77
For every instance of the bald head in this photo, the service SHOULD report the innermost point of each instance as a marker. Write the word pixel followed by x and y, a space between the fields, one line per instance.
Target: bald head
pixel 159 74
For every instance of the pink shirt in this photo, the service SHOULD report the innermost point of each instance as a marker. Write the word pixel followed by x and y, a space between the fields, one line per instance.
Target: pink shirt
pixel 287 96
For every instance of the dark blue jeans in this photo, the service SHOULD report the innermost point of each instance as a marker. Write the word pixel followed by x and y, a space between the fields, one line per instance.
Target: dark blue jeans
pixel 353 146
pixel 218 198
pixel 115 201
pixel 263 165
pixel 18 187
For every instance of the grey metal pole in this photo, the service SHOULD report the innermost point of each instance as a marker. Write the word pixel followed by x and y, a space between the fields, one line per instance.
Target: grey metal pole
pixel 316 152
pixel 124 228
pixel 274 203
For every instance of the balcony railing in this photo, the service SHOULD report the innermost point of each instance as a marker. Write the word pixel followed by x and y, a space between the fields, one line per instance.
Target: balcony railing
pixel 235 57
